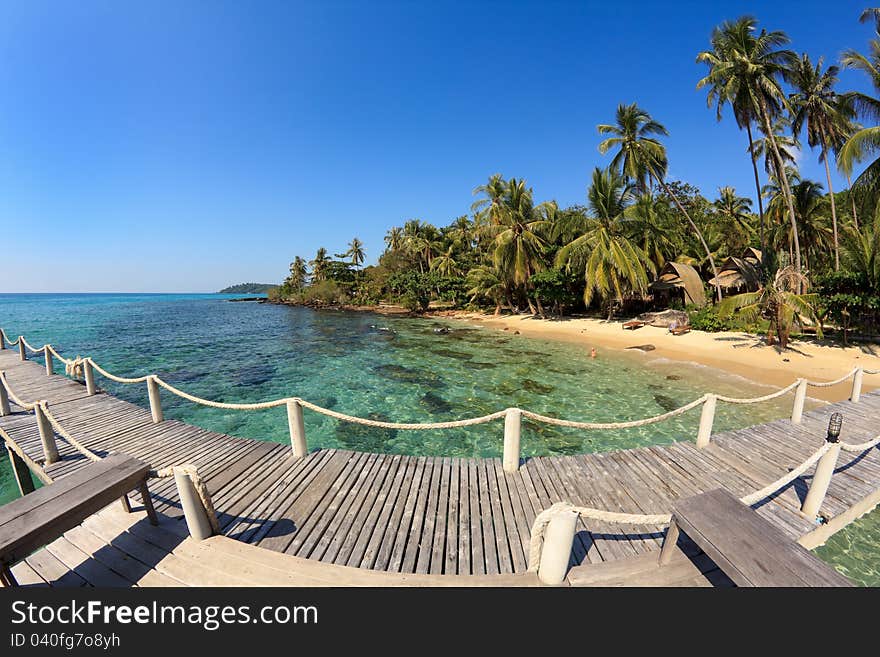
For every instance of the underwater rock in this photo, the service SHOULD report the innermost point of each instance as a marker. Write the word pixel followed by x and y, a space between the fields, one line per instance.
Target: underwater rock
pixel 673 377
pixel 665 402
pixel 361 438
pixel 435 403
pixel 533 386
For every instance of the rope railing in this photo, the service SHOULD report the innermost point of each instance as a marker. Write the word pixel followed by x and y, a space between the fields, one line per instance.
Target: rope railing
pixel 823 458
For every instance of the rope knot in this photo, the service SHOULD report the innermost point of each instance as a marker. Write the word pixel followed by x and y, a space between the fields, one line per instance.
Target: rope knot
pixel 75 368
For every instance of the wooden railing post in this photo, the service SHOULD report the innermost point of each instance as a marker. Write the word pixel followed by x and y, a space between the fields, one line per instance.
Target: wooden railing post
pixel 155 400
pixel 800 395
pixel 2 341
pixel 297 429
pixel 707 419
pixel 556 553
pixel 824 470
pixel 856 393
pixel 4 401
pixel 89 375
pixel 512 431
pixel 22 354
pixel 47 435
pixel 49 364
pixel 193 510
pixel 22 473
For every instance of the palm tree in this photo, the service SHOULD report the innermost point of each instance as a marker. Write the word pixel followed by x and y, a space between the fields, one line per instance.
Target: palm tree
pixel 862 250
pixel 491 206
pixel 613 266
pixel 461 232
pixel 781 300
pixel 639 151
pixel 445 263
pixel 786 142
pixel 736 216
pixel 487 283
pixel 745 70
pixel 647 223
pixel 356 252
pixel 641 155
pixel 298 273
pixel 809 205
pixel 816 104
pixel 394 239
pixel 319 264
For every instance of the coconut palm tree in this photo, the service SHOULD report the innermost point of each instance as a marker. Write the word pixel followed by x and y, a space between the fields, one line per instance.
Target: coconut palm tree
pixel 319 265
pixel 816 103
pixel 861 250
pixel 613 266
pixel 491 206
pixel 485 282
pixel 445 263
pixel 781 300
pixel 298 273
pixel 356 252
pixel 787 143
pixel 735 225
pixel 745 70
pixel 647 223
pixel 461 232
pixel 394 239
pixel 641 156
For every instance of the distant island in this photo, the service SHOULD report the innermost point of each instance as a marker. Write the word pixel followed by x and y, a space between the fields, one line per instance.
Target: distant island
pixel 248 288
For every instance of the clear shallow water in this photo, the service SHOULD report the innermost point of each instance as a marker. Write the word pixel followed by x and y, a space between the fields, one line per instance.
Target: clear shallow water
pixel 385 368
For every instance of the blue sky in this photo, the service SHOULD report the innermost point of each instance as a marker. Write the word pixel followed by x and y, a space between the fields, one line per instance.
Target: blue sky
pixel 185 146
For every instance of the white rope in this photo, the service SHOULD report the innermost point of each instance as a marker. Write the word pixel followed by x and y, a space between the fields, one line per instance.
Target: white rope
pixel 861 447
pixel 207 402
pixel 828 384
pixel 756 400
pixel 783 481
pixel 61 431
pixel 74 368
pixel 113 377
pixel 401 425
pixel 201 489
pixel 871 371
pixel 30 348
pixel 614 425
pixel 13 396
pixel 64 360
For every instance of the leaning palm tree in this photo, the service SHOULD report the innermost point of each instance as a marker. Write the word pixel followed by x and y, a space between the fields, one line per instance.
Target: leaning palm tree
pixel 445 263
pixel 745 70
pixel 642 156
pixel 612 265
pixel 781 301
pixel 356 252
pixel 816 103
pixel 319 265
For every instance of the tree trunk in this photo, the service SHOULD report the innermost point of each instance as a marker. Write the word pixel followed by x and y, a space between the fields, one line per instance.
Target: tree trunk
pixel 852 200
pixel 783 182
pixel 758 190
pixel 696 230
pixel 833 206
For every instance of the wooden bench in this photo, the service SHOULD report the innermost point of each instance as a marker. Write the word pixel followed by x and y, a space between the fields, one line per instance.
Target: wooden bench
pixel 38 518
pixel 745 546
pixel 633 325
pixel 680 330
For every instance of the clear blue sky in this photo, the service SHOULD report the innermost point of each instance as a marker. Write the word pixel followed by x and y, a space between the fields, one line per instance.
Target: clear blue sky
pixel 185 146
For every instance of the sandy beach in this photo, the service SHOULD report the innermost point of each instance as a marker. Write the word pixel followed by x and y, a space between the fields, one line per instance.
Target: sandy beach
pixel 739 353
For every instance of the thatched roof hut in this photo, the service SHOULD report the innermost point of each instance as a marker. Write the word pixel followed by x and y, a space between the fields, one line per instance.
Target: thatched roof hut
pixel 738 274
pixel 753 255
pixel 678 277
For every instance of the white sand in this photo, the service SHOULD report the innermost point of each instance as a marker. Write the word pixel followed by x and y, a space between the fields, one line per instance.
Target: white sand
pixel 740 353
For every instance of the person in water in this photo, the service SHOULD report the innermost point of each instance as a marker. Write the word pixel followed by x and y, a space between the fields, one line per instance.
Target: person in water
pixel 593 352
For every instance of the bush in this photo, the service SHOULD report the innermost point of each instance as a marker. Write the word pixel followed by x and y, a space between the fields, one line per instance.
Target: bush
pixel 707 319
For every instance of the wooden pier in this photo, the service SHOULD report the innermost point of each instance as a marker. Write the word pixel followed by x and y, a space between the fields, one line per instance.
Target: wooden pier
pixel 335 517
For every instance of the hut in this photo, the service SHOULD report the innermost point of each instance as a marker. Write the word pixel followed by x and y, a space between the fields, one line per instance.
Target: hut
pixel 681 280
pixel 753 255
pixel 738 275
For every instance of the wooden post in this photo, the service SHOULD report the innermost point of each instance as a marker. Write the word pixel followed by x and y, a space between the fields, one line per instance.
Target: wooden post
pixel 800 395
pixel 856 393
pixel 2 341
pixel 22 354
pixel 512 431
pixel 4 401
pixel 821 481
pixel 669 543
pixel 556 554
pixel 89 374
pixel 193 510
pixel 47 435
pixel 22 473
pixel 155 400
pixel 49 364
pixel 707 419
pixel 297 429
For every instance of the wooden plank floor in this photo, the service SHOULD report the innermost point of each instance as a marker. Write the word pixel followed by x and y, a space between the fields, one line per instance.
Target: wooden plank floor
pixel 434 516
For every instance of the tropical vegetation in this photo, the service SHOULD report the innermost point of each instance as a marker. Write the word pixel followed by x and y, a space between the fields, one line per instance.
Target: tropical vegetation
pixel 819 246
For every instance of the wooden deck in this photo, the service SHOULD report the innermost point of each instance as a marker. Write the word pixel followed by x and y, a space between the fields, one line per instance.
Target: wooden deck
pixel 423 515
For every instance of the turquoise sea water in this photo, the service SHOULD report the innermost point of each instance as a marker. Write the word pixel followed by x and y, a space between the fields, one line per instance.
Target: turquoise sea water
pixel 386 368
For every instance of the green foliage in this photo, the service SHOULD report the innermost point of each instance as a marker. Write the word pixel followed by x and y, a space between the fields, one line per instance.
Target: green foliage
pixel 708 319
pixel 248 288
pixel 556 287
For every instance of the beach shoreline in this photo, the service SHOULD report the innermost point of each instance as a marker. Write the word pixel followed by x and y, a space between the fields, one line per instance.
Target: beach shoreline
pixel 735 352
